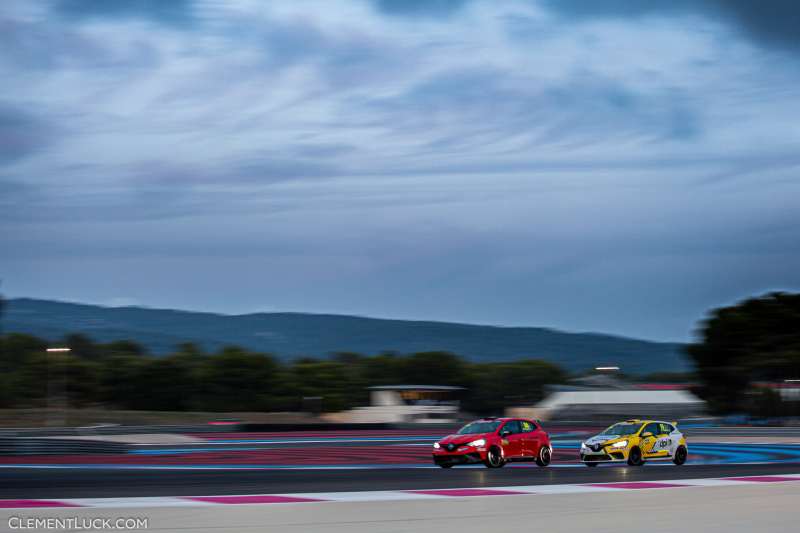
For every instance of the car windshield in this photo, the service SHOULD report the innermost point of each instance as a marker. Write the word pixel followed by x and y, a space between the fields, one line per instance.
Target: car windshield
pixel 479 427
pixel 622 429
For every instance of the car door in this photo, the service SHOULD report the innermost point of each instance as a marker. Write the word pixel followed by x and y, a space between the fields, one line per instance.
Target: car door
pixel 656 444
pixel 512 439
pixel 671 438
pixel 530 438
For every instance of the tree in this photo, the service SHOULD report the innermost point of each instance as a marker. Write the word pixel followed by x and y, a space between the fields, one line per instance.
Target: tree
pixel 757 339
pixel 496 386
pixel 164 384
pixel 122 347
pixel 434 368
pixel 18 347
pixel 82 346
pixel 237 380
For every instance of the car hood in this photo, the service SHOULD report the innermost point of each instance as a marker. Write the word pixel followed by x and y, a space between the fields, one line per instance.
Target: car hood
pixel 604 439
pixel 462 439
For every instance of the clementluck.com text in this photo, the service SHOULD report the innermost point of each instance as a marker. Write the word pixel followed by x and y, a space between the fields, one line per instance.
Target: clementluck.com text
pixel 22 523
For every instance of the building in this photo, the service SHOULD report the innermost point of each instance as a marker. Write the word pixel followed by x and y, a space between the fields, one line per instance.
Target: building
pixel 603 397
pixel 399 404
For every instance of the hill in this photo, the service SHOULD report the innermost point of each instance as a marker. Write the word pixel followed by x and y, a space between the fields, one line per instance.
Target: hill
pixel 303 334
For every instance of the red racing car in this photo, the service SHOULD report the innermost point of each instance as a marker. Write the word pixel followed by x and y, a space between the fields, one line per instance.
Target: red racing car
pixel 495 442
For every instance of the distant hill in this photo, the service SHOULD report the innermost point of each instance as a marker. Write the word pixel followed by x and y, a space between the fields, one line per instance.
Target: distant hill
pixel 302 334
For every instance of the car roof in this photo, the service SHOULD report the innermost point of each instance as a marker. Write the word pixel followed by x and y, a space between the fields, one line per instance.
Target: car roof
pixel 504 419
pixel 644 421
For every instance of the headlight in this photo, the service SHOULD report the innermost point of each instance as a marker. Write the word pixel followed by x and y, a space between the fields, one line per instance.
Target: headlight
pixel 584 446
pixel 620 444
pixel 479 442
pixel 436 445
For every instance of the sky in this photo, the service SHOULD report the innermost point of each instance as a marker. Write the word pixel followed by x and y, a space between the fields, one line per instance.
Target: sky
pixel 589 165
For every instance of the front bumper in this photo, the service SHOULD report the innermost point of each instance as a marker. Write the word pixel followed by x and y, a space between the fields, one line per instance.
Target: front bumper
pixel 604 455
pixel 459 456
pixel 457 459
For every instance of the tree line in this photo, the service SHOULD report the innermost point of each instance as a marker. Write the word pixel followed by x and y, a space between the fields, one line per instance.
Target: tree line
pixel 122 375
pixel 738 349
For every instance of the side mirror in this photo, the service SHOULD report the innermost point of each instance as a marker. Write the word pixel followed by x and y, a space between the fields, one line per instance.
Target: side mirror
pixel 647 434
pixel 505 433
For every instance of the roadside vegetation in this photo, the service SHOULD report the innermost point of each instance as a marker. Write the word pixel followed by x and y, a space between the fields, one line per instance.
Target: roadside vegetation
pixel 121 375
pixel 746 353
pixel 743 356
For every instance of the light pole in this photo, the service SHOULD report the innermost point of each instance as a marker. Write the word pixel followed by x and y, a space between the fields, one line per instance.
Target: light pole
pixel 52 420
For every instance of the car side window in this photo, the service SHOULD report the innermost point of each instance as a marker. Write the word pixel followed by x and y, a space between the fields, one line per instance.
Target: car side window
pixel 527 427
pixel 512 426
pixel 666 429
pixel 651 428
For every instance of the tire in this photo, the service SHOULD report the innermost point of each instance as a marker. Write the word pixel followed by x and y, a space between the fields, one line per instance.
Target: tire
pixel 544 457
pixel 680 455
pixel 494 458
pixel 446 465
pixel 591 465
pixel 635 457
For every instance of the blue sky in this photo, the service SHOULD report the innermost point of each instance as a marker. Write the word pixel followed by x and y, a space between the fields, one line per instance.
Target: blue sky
pixel 603 165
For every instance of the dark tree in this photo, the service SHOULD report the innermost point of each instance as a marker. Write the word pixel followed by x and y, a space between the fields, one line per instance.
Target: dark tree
pixel 758 339
pixel 122 347
pixel 82 346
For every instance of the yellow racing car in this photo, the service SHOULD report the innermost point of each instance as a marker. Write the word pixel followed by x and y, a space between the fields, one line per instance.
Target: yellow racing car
pixel 636 441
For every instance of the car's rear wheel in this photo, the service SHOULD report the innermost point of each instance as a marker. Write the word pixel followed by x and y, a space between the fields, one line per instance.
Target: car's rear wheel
pixel 543 459
pixel 494 458
pixel 635 457
pixel 680 455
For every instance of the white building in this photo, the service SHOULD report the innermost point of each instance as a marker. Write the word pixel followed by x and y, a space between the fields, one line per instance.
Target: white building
pixel 602 397
pixel 399 404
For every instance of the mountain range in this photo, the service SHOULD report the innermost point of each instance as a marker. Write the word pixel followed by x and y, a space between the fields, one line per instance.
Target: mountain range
pixel 288 335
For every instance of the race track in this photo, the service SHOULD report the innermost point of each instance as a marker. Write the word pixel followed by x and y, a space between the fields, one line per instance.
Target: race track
pixel 265 463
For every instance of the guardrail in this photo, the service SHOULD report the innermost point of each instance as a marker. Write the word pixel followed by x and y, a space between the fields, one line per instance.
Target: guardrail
pixel 744 431
pixel 54 446
pixel 113 430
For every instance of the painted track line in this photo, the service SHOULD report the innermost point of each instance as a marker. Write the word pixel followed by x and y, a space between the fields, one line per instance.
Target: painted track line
pixel 397 495
pixel 377 466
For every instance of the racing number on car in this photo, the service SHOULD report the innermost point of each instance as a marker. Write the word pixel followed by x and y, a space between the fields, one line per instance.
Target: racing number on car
pixel 663 443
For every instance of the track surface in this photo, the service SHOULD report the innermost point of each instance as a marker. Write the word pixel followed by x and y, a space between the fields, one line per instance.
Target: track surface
pixel 346 461
pixel 114 483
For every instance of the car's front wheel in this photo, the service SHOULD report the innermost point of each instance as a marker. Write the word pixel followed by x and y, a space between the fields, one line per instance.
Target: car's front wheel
pixel 543 459
pixel 494 458
pixel 591 465
pixel 680 455
pixel 635 457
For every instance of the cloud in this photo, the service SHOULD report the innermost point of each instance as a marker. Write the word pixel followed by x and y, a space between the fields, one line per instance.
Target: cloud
pixel 773 23
pixel 428 8
pixel 171 12
pixel 494 162
pixel 39 44
pixel 21 134
pixel 499 112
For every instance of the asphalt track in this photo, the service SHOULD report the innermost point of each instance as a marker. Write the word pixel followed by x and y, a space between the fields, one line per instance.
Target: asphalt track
pixel 95 483
pixel 232 463
pixel 355 463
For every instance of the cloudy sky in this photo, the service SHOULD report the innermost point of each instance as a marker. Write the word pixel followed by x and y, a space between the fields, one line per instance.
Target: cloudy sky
pixel 600 165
